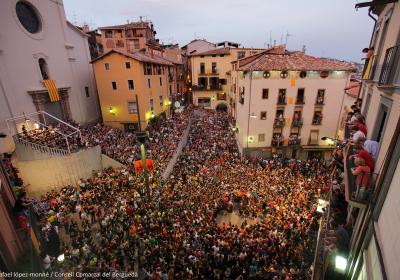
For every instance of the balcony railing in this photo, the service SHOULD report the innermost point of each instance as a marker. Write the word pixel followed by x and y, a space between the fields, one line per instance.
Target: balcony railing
pixel 277 142
pixel 320 101
pixel 300 101
pixel 297 123
pixel 281 101
pixel 208 73
pixel 390 66
pixel 350 179
pixel 279 123
pixel 317 121
pixel 206 87
pixel 294 141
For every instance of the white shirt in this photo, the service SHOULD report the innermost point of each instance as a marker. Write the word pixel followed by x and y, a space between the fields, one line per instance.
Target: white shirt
pixel 357 135
pixel 371 147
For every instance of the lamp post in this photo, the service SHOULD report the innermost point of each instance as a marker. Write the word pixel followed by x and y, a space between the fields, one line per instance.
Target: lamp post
pixel 141 138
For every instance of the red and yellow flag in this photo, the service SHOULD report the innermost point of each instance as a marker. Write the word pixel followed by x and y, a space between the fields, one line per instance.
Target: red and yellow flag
pixel 52 89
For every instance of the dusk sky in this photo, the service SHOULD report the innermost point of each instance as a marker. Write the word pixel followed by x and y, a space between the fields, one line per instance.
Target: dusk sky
pixel 328 28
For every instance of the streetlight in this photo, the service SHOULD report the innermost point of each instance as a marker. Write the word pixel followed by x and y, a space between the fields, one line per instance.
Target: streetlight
pixel 141 137
pixel 340 263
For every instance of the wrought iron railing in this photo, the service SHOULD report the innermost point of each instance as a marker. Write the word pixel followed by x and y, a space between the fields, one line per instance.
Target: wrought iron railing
pixel 390 66
pixel 41 148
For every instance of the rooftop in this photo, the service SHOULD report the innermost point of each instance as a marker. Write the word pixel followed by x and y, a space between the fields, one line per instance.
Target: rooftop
pixel 278 58
pixel 213 52
pixel 354 88
pixel 139 56
pixel 131 25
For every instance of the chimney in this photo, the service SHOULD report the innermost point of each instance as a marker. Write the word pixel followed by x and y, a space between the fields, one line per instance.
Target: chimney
pixel 141 18
pixel 303 49
pixel 85 28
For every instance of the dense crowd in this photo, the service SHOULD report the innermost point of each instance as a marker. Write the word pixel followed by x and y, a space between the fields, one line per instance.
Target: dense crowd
pixel 109 223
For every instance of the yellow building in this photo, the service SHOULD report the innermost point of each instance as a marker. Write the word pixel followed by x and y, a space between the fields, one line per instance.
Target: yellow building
pixel 133 88
pixel 211 76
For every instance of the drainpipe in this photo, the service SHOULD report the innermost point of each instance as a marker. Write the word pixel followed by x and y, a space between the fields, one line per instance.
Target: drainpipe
pixel 375 21
pixel 248 114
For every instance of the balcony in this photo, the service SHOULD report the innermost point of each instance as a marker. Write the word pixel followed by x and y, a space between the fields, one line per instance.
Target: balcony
pixel 170 78
pixel 211 87
pixel 317 121
pixel 277 141
pixel 390 67
pixel 300 101
pixel 320 101
pixel 369 69
pixel 281 101
pixel 297 123
pixel 278 123
pixel 294 140
pixel 208 73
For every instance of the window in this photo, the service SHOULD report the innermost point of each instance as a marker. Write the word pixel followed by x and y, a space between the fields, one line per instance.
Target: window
pixel 128 65
pixel 381 119
pixel 241 95
pixel 107 66
pixel 204 102
pixel 320 97
pixel 149 83
pixel 28 17
pixel 132 107
pixel 114 85
pixel 120 44
pixel 160 81
pixel 282 96
pixel 222 81
pixel 367 103
pixel 241 54
pixel 303 74
pixel 263 115
pixel 261 137
pixel 161 100
pixel 202 68
pixel 214 55
pixel 221 55
pixel 300 96
pixel 43 69
pixel 131 86
pixel 87 91
pixel 317 118
pixel 314 137
pixel 214 68
pixel 170 89
pixel 109 34
pixel 151 104
pixel 265 93
pixel 284 74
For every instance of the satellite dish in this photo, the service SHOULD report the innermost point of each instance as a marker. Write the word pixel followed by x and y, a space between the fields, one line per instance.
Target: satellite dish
pixel 177 104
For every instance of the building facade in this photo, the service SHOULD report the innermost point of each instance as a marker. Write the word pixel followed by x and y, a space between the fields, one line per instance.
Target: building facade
pixel 39 44
pixel 374 247
pixel 285 102
pixel 133 88
pixel 130 37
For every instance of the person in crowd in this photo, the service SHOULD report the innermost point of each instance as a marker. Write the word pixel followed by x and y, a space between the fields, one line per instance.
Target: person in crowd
pixel 370 146
pixel 363 173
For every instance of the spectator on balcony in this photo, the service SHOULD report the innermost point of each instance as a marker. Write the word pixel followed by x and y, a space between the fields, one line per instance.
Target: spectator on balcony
pixel 363 173
pixel 370 146
pixel 359 121
pixel 361 153
pixel 356 133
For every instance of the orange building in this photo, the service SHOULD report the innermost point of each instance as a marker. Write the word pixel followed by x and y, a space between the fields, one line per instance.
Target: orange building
pixel 130 37
pixel 133 88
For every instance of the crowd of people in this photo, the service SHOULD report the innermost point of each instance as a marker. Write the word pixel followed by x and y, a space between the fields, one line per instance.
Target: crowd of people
pixel 112 223
pixel 114 142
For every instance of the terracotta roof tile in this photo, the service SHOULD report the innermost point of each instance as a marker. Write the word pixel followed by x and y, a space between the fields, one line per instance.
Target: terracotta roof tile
pixel 131 25
pixel 281 59
pixel 214 52
pixel 354 88
pixel 140 56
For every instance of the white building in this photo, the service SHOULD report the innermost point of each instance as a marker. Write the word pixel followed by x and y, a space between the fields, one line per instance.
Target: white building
pixel 37 43
pixel 285 102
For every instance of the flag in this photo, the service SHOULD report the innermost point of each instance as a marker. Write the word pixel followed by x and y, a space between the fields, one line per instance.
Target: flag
pixel 52 89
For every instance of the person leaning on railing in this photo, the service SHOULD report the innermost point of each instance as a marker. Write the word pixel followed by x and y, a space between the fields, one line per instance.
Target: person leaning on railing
pixel 363 173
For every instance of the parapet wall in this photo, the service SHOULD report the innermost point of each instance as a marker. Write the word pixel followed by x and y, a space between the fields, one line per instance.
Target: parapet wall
pixel 54 172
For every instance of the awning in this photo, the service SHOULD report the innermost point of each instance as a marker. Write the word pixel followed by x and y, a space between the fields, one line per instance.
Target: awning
pixel 52 90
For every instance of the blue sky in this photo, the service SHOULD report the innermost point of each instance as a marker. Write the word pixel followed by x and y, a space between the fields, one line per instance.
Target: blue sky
pixel 329 28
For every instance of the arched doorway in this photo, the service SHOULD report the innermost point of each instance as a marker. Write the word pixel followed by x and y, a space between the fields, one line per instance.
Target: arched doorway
pixel 221 107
